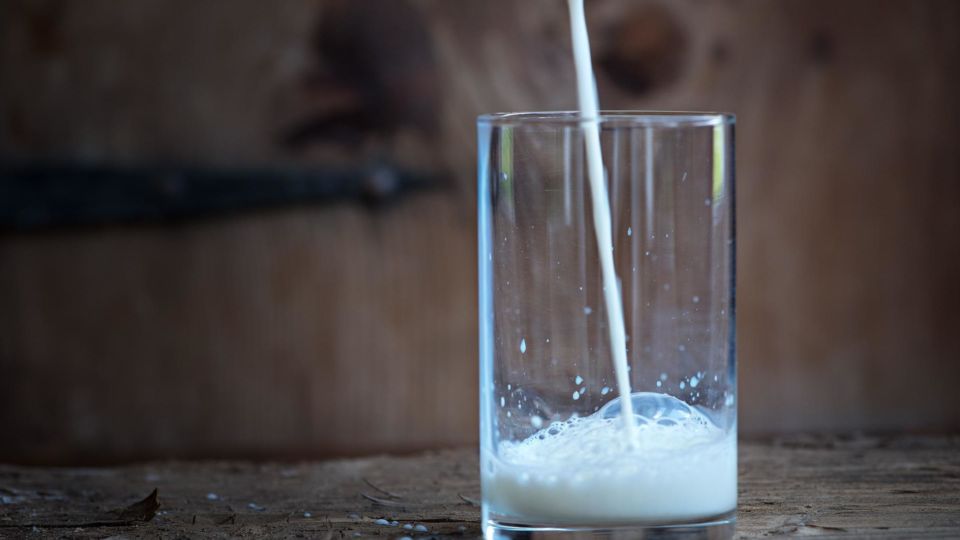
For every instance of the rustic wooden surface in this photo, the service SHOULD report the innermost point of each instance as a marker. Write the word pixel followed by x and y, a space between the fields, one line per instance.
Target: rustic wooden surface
pixel 263 334
pixel 820 485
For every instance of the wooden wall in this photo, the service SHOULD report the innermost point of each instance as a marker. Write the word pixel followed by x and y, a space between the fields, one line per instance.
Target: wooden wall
pixel 341 328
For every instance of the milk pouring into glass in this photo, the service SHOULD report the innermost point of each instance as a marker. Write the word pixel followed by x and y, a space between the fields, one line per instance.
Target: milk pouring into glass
pixel 589 458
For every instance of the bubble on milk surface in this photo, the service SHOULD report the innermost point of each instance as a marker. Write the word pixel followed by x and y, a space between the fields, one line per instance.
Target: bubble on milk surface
pixel 652 407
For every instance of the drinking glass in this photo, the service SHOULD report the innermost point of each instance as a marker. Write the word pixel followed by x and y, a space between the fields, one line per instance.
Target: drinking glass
pixel 556 454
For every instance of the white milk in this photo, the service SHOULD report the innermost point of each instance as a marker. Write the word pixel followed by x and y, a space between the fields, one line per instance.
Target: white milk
pixel 667 462
pixel 680 468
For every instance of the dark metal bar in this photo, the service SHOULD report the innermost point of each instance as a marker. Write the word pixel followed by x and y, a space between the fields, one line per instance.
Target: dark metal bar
pixel 41 196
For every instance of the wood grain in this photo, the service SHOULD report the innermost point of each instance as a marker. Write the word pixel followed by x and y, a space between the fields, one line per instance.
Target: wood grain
pixel 266 334
pixel 825 486
pixel 253 337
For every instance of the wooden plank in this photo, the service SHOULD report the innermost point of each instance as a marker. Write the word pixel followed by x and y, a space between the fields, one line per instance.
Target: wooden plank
pixel 827 486
pixel 262 335
pixel 312 332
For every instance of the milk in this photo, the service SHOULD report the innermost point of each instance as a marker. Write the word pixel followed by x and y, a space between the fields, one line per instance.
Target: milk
pixel 679 468
pixel 648 459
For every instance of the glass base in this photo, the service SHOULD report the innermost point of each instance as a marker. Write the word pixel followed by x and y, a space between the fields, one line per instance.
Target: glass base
pixel 713 528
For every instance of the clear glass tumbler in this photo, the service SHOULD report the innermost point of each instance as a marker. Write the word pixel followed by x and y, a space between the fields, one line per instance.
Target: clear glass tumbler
pixel 556 451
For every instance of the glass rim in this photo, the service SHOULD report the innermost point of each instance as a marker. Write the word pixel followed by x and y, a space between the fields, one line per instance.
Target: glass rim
pixel 618 117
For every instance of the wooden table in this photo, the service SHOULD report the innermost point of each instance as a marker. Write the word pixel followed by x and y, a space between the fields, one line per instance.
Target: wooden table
pixel 857 486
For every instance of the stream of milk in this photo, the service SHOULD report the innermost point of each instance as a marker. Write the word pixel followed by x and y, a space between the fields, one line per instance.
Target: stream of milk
pixel 589 111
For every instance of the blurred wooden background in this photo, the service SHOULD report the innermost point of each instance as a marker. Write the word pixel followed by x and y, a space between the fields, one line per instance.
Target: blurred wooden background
pixel 344 328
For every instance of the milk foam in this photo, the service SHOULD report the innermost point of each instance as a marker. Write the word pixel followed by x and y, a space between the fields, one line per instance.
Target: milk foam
pixel 679 467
